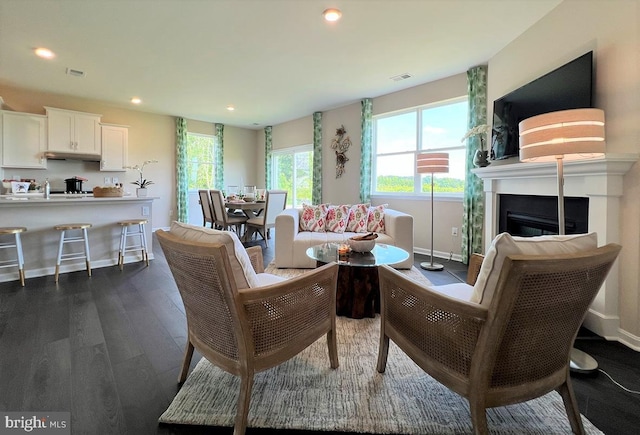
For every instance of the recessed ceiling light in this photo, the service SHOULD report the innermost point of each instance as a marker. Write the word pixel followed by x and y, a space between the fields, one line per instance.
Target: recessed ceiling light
pixel 44 53
pixel 230 108
pixel 136 100
pixel 332 14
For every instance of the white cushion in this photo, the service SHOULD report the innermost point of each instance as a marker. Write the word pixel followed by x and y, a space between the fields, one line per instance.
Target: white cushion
pixel 504 245
pixel 458 290
pixel 268 279
pixel 241 267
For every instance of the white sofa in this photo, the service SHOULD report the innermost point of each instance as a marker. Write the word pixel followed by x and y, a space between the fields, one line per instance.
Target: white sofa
pixel 292 243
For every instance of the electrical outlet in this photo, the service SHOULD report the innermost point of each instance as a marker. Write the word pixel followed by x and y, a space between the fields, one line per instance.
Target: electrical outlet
pixel 454 231
pixel 145 210
pixel 107 180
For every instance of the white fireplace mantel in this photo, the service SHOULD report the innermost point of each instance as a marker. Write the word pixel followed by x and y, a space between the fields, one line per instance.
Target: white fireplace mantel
pixel 600 180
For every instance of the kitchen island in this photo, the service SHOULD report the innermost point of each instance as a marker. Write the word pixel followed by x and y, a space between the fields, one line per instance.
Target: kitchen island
pixel 40 241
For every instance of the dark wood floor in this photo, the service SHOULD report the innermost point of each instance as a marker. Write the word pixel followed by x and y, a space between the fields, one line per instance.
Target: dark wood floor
pixel 108 349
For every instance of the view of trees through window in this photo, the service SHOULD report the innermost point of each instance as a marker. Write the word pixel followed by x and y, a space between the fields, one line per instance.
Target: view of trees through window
pixel 201 161
pixel 292 171
pixel 399 137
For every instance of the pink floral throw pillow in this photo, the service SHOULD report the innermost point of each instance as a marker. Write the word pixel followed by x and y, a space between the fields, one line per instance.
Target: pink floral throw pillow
pixel 337 216
pixel 313 218
pixel 357 222
pixel 375 219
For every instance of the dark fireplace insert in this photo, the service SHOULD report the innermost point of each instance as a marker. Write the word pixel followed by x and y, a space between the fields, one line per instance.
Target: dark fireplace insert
pixel 532 215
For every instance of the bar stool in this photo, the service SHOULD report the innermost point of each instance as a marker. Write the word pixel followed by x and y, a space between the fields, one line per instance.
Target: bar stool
pixel 18 245
pixel 73 239
pixel 142 242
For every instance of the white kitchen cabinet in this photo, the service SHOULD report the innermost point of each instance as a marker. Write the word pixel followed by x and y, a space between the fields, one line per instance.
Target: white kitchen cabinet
pixel 24 140
pixel 73 132
pixel 115 142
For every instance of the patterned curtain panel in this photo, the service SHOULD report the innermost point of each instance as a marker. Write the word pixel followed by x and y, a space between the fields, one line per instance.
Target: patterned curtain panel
pixel 316 189
pixel 181 170
pixel 268 151
pixel 473 206
pixel 366 142
pixel 218 157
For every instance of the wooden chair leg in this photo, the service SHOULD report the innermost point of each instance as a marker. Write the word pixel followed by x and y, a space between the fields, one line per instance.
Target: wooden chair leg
pixel 186 362
pixel 478 417
pixel 571 407
pixel 246 383
pixel 383 352
pixel 333 348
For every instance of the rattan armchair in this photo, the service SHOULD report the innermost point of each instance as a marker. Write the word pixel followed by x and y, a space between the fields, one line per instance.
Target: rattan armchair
pixel 245 331
pixel 511 351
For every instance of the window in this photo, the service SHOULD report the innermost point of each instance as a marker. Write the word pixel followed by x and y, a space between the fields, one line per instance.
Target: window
pixel 400 136
pixel 293 171
pixel 201 161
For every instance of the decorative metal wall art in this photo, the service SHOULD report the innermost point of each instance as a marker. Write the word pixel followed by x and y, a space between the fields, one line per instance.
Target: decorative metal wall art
pixel 340 144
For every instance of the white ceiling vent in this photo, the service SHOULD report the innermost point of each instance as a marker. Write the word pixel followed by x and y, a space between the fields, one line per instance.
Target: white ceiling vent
pixel 401 77
pixel 75 72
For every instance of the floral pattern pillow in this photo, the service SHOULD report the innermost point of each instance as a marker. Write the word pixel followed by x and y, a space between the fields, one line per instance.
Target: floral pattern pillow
pixel 357 222
pixel 375 219
pixel 313 217
pixel 337 217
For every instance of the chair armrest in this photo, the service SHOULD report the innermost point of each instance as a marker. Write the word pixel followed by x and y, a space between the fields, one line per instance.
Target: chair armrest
pixel 295 312
pixel 448 327
pixel 475 263
pixel 255 255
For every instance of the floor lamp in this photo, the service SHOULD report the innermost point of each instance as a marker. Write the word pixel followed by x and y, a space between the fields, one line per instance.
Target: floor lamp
pixel 432 163
pixel 565 135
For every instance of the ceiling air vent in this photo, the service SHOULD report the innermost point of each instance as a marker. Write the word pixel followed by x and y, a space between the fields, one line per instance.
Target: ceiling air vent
pixel 401 77
pixel 75 72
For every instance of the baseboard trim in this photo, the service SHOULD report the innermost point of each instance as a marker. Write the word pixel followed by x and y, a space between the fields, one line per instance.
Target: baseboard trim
pixel 438 254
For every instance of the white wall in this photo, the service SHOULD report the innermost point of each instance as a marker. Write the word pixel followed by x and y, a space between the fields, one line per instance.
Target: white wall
pixel 611 29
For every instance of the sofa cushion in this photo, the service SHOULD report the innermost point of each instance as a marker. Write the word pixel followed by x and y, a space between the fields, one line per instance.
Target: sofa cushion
pixel 375 219
pixel 313 217
pixel 336 219
pixel 243 272
pixel 504 245
pixel 357 221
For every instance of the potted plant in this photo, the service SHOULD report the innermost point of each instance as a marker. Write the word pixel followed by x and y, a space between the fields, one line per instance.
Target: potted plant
pixel 481 156
pixel 141 182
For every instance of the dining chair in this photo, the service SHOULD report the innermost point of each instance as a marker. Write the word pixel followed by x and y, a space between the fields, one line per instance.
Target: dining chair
pixel 275 202
pixel 222 219
pixel 207 207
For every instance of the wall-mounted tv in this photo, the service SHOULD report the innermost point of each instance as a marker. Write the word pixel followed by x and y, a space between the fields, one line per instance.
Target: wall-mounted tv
pixel 568 87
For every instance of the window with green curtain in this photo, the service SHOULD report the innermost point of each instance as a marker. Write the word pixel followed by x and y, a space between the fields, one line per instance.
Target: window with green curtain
pixel 473 203
pixel 366 144
pixel 182 185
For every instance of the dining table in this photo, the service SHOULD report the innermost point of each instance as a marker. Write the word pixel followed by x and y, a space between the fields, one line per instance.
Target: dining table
pixel 250 209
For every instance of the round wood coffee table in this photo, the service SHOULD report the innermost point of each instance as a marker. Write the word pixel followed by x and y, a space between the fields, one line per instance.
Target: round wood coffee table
pixel 358 292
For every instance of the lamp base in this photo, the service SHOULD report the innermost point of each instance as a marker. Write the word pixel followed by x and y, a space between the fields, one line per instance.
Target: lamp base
pixel 432 266
pixel 581 362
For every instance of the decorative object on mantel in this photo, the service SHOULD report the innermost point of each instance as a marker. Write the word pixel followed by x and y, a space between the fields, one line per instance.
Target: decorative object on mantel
pixel 574 134
pixel 429 164
pixel 142 182
pixel 481 156
pixel 340 144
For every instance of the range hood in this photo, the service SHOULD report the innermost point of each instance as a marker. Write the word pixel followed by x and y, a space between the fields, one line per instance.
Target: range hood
pixel 58 155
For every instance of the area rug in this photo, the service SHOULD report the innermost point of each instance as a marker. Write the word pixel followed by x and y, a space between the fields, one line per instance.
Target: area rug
pixel 412 273
pixel 306 394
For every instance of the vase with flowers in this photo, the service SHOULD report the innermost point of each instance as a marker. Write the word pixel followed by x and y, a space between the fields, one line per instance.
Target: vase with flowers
pixel 141 182
pixel 481 156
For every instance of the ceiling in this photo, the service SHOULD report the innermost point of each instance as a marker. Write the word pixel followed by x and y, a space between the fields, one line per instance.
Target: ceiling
pixel 273 60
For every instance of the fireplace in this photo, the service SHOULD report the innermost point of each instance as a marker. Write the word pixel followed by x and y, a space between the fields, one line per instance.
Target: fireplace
pixel 597 182
pixel 534 215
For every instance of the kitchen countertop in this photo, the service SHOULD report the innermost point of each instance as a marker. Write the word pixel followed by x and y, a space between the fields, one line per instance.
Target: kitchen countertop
pixel 65 198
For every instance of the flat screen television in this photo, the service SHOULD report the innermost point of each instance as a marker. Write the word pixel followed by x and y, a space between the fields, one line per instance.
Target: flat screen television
pixel 568 87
